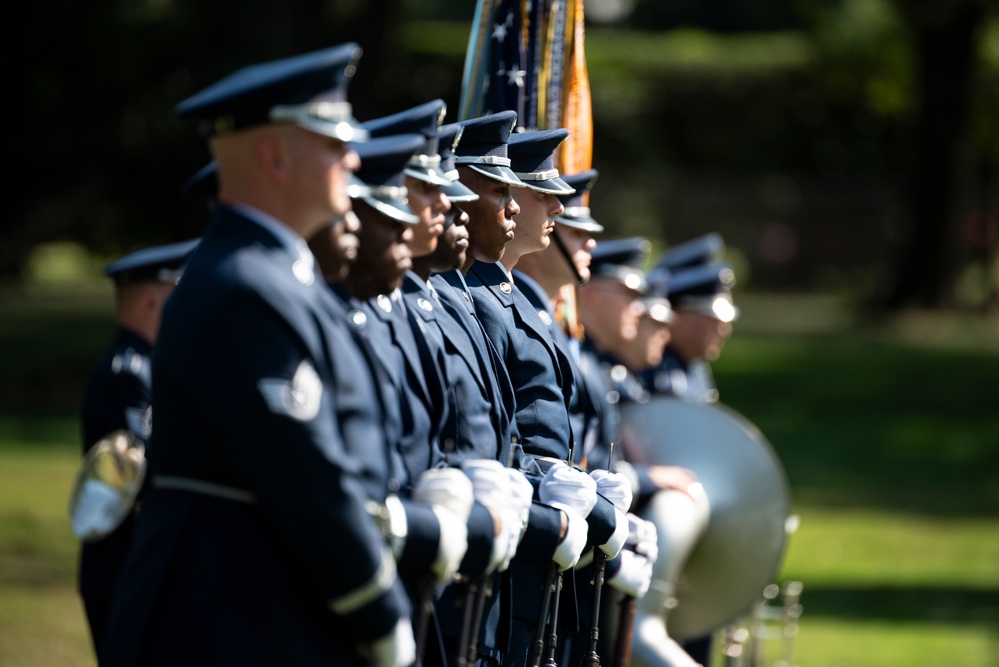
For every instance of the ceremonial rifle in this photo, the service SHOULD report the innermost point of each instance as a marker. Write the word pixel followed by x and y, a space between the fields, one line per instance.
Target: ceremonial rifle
pixel 552 587
pixel 592 658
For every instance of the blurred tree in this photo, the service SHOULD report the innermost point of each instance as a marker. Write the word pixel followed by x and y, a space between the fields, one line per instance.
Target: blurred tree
pixel 794 118
pixel 945 35
pixel 99 158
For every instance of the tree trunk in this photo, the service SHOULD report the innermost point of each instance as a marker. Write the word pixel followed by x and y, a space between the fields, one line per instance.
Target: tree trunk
pixel 939 181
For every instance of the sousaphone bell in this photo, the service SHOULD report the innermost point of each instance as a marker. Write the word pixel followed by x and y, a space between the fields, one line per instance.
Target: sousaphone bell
pixel 737 549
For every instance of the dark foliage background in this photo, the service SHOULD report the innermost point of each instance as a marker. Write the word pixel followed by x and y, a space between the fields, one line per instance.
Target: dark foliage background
pixel 837 144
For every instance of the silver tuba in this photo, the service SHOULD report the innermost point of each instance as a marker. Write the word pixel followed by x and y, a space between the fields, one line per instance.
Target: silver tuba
pixel 715 558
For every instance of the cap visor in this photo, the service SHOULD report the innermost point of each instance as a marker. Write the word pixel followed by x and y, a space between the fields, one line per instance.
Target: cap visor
pixel 432 175
pixel 397 209
pixel 498 173
pixel 343 130
pixel 553 186
pixel 585 224
pixel 458 191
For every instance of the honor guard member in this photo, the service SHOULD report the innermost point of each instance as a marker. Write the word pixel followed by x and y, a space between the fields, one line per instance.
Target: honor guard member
pixel 424 177
pixel 542 277
pixel 478 436
pixel 612 306
pixel 117 398
pixel 702 327
pixel 383 257
pixel 256 544
pixel 542 380
pixel 433 543
pixel 561 266
pixel 702 299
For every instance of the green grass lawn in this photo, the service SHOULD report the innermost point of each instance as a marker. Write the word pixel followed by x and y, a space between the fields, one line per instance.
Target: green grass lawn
pixel 889 435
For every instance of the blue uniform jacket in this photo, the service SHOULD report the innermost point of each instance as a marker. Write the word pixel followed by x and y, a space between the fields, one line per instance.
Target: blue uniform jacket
pixel 619 386
pixel 117 397
pixel 541 374
pixel 255 545
pixel 479 427
pixel 387 372
pixel 675 377
pixel 476 424
pixel 585 412
pixel 542 383
pixel 585 415
pixel 417 380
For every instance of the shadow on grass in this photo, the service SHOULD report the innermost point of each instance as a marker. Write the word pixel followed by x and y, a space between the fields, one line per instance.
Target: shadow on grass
pixel 937 604
pixel 862 423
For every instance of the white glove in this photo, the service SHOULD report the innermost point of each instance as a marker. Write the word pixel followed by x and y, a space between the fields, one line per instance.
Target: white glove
pixel 515 515
pixel 643 538
pixel 451 546
pixel 571 548
pixel 564 487
pixel 448 488
pixel 615 487
pixel 490 481
pixel 396 649
pixel 521 494
pixel 635 575
pixel 491 486
pixel 449 493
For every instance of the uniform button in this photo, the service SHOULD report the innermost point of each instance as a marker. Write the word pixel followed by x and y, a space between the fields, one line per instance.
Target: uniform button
pixel 393 485
pixel 448 444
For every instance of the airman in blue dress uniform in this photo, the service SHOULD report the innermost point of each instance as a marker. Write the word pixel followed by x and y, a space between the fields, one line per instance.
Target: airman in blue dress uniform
pixel 540 372
pixel 613 305
pixel 479 430
pixel 543 276
pixel 257 542
pixel 434 542
pixel 118 397
pixel 700 289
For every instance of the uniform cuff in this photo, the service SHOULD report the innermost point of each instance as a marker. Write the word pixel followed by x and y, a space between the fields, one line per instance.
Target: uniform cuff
pixel 481 535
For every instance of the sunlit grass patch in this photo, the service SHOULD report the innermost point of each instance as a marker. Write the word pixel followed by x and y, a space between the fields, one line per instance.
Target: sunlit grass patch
pixel 828 642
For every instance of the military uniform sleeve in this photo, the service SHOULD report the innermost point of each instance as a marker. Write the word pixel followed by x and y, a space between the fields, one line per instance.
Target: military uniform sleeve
pixel 422 539
pixel 286 449
pixel 543 534
pixel 600 522
pixel 481 535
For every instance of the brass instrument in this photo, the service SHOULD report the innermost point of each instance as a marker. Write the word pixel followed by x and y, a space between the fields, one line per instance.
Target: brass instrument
pixel 716 557
pixel 107 485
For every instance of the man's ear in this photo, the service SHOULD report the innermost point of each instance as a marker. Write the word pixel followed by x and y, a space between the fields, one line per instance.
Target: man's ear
pixel 271 154
pixel 153 299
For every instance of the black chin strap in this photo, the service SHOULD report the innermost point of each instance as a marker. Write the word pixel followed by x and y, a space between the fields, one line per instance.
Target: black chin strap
pixel 568 258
